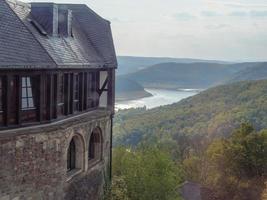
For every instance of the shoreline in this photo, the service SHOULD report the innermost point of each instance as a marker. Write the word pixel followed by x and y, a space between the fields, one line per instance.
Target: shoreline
pixel 131 96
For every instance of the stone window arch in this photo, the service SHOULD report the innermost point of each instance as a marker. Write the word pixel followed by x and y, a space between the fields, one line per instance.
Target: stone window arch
pixel 95 145
pixel 71 157
pixel 75 154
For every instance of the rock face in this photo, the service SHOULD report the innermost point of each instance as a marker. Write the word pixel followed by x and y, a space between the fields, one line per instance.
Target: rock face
pixel 34 160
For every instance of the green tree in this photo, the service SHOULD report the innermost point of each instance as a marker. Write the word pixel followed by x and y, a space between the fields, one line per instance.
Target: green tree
pixel 148 173
pixel 238 165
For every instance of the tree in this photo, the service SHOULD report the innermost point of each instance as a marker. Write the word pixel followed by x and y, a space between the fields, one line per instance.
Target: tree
pixel 148 173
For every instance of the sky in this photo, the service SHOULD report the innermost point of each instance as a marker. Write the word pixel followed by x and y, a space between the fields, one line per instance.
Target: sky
pixel 233 30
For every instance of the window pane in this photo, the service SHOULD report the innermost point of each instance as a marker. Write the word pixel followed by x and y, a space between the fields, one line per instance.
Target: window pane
pixel 24 93
pixel 28 82
pixel 30 103
pixel 29 92
pixel 23 82
pixel 24 103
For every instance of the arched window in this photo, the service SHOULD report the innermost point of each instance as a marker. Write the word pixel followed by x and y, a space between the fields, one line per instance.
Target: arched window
pixel 71 156
pixel 75 155
pixel 95 145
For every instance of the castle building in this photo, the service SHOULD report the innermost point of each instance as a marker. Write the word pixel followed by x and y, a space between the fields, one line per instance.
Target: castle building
pixel 57 75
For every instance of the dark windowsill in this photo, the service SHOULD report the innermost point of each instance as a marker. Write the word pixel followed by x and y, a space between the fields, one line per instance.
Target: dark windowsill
pixel 72 173
pixel 28 109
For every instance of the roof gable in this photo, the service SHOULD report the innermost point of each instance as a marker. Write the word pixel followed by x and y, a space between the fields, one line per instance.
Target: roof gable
pixel 90 46
pixel 18 47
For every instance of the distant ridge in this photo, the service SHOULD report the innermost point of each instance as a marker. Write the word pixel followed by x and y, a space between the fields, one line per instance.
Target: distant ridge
pixel 256 72
pixel 174 75
pixel 129 64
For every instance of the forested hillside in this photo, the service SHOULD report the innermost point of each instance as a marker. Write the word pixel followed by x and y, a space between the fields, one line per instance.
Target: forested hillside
pixel 214 112
pixel 217 139
pixel 256 72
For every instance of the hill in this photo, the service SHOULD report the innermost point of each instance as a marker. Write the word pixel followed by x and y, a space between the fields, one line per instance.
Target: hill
pixel 180 75
pixel 128 90
pixel 256 72
pixel 215 112
pixel 130 64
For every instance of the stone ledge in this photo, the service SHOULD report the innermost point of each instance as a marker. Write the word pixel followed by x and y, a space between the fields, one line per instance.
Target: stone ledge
pixel 71 174
pixel 57 125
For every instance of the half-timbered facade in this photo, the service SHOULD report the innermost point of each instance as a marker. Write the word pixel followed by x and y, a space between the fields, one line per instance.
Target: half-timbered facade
pixel 57 75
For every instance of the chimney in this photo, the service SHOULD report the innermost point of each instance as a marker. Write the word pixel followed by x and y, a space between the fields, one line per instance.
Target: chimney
pixel 65 21
pixel 46 14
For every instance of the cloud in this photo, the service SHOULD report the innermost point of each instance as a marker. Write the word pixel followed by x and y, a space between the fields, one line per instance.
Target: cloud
pixel 207 13
pixel 237 4
pixel 238 14
pixel 252 14
pixel 183 16
pixel 217 26
pixel 256 13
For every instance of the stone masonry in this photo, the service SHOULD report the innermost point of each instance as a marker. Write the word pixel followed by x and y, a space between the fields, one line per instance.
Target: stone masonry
pixel 34 160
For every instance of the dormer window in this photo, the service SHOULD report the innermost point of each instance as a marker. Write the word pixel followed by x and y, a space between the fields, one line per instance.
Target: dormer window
pixel 27 94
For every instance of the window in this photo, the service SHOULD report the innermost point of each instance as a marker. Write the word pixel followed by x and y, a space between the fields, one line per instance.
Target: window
pixel 71 156
pixel 27 94
pixel 95 145
pixel 76 92
pixel 75 156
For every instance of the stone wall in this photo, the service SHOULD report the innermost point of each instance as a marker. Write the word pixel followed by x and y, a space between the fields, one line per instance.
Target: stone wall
pixel 33 161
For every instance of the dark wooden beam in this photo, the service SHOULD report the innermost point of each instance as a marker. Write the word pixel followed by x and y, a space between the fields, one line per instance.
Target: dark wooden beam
pixel 81 91
pixel 85 90
pixel 49 108
pixel 67 93
pixel 71 94
pixel 19 112
pixel 40 93
pixel 111 90
pixel 55 91
pixel 7 102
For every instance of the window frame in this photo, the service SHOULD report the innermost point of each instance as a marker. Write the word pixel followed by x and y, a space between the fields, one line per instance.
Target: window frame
pixel 27 90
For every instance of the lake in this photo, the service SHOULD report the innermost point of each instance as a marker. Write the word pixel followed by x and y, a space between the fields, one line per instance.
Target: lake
pixel 160 97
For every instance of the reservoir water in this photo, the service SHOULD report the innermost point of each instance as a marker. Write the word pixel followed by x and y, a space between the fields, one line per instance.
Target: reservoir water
pixel 160 97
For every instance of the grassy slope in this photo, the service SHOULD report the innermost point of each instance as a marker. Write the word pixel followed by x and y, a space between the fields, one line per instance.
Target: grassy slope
pixel 214 112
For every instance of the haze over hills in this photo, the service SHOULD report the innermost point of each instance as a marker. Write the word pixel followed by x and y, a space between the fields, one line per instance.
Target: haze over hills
pixel 130 64
pixel 186 75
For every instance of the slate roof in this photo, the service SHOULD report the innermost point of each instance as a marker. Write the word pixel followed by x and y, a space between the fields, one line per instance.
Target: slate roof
pixel 22 45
